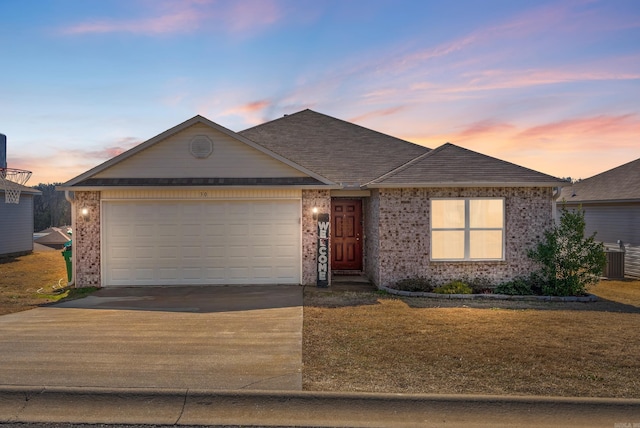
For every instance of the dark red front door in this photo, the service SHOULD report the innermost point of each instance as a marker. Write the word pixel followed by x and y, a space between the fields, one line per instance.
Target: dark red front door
pixel 346 234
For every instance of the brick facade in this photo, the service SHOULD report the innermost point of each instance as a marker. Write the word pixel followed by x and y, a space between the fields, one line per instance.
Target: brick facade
pixel 398 243
pixel 371 207
pixel 86 240
pixel 396 234
pixel 310 199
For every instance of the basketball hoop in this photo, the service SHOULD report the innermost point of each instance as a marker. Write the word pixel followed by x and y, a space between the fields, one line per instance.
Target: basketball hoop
pixel 12 180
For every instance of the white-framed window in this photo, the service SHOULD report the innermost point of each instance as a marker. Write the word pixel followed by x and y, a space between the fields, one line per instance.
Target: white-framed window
pixel 467 229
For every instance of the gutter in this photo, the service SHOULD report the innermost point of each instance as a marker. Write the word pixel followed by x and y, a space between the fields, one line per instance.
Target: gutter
pixel 204 187
pixel 72 201
pixel 555 185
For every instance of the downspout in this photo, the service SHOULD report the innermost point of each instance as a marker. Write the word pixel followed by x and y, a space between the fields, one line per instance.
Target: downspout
pixel 556 194
pixel 72 201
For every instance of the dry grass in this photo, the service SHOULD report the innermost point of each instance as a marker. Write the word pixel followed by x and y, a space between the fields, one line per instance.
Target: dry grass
pixel 373 342
pixel 32 280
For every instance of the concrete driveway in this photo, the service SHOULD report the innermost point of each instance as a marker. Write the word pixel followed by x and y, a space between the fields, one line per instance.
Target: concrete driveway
pixel 227 338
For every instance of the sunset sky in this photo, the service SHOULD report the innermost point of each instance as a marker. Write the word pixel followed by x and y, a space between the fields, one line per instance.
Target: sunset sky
pixel 550 85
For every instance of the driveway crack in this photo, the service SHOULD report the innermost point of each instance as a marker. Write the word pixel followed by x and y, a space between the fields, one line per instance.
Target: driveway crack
pixel 184 405
pixel 247 386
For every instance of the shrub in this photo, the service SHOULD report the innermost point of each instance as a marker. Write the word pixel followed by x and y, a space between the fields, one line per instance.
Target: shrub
pixel 414 284
pixel 516 287
pixel 480 285
pixel 454 287
pixel 570 262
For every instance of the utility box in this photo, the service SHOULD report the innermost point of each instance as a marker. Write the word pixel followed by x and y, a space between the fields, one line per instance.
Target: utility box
pixel 615 265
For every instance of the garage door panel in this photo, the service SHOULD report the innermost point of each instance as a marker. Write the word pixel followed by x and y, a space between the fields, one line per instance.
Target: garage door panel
pixel 285 251
pixel 192 274
pixel 263 251
pixel 238 272
pixel 215 273
pixel 144 231
pixel 201 242
pixel 143 274
pixel 121 273
pixel 144 251
pixel 167 251
pixel 191 252
pixel 120 231
pixel 166 231
pixel 168 274
pixel 265 272
pixel 214 230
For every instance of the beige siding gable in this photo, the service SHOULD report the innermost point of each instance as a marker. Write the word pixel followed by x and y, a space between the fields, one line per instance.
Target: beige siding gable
pixel 173 158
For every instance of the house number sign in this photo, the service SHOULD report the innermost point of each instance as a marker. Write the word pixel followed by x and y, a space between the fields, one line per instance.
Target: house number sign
pixel 323 251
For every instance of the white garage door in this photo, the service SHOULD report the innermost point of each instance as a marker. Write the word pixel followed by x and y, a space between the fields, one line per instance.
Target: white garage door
pixel 201 242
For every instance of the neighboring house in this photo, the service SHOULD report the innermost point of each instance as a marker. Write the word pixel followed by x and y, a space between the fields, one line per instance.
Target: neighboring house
pixel 54 237
pixel 201 204
pixel 611 203
pixel 16 223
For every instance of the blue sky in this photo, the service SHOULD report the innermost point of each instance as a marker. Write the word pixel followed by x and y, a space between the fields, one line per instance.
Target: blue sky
pixel 550 85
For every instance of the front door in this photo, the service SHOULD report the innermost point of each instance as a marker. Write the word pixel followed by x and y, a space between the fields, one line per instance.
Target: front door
pixel 346 234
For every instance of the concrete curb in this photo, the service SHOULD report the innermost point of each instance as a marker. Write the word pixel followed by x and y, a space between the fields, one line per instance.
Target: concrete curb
pixel 583 299
pixel 284 408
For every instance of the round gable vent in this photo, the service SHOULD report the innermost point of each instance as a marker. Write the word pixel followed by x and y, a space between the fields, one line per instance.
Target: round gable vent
pixel 201 147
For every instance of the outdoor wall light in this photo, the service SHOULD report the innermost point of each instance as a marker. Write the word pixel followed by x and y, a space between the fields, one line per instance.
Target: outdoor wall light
pixel 84 212
pixel 314 210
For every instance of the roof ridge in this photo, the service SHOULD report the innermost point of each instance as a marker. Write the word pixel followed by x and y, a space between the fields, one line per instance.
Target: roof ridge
pixel 276 119
pixel 404 165
pixel 502 160
pixel 332 118
pixel 434 168
pixel 609 170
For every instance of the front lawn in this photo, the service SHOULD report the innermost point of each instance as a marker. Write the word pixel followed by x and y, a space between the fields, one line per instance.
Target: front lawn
pixel 380 343
pixel 33 280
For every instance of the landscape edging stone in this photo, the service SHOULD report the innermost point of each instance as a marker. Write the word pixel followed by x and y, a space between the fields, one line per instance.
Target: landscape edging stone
pixel 584 299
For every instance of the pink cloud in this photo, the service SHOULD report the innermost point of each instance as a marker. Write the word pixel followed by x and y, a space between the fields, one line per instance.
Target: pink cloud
pixel 248 108
pixel 377 113
pixel 506 79
pixel 478 48
pixel 244 16
pixel 185 18
pixel 254 106
pixel 484 128
pixel 251 112
pixel 188 16
pixel 105 153
pixel 70 163
pixel 578 147
pixel 581 133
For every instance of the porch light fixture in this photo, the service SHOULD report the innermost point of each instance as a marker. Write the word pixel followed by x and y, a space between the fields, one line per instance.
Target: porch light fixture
pixel 84 212
pixel 314 211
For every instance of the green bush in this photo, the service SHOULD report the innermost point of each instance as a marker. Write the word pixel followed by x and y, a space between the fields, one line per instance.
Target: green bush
pixel 516 287
pixel 479 285
pixel 454 287
pixel 569 262
pixel 414 284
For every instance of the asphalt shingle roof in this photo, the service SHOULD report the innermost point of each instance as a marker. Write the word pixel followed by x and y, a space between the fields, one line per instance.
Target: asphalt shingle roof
pixel 618 184
pixel 340 151
pixel 451 165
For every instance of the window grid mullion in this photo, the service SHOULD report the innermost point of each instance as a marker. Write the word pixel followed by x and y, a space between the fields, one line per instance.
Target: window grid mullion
pixel 467 230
